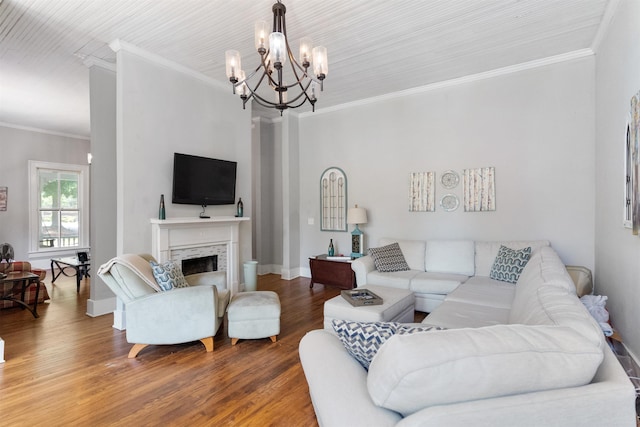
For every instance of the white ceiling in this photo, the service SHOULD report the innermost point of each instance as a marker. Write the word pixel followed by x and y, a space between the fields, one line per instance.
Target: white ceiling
pixel 375 47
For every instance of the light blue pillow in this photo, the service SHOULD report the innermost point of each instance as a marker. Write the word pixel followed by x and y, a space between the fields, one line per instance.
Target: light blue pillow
pixel 363 339
pixel 168 275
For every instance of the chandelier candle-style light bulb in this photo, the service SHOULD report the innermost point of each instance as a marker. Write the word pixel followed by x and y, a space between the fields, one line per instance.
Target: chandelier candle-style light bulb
pixel 278 48
pixel 314 91
pixel 320 63
pixel 244 90
pixel 306 44
pixel 272 45
pixel 233 62
pixel 261 32
pixel 284 96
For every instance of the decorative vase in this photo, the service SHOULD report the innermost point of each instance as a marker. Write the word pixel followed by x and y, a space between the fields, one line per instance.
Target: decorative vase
pixel 162 214
pixel 240 208
pixel 331 250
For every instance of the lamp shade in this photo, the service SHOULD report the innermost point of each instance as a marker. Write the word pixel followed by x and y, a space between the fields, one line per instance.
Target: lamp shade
pixel 356 215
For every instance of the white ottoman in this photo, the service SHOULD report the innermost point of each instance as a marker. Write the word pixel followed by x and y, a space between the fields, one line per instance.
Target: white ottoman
pixel 254 315
pixel 398 306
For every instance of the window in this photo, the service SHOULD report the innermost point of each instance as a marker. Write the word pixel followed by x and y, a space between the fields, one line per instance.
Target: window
pixel 59 201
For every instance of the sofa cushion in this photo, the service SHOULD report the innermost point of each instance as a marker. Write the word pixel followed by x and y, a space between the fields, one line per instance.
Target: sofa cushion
pixel 556 306
pixel 456 315
pixel 486 252
pixel 168 275
pixel 412 372
pixel 398 279
pixel 450 256
pixel 484 291
pixel 363 339
pixel 436 283
pixel 389 258
pixel 413 251
pixel 216 278
pixel 546 295
pixel 509 264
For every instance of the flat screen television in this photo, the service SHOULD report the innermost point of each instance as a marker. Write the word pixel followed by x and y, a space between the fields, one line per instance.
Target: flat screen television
pixel 203 181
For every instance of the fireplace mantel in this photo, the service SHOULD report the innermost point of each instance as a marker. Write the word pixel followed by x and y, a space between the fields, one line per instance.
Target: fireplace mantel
pixel 185 233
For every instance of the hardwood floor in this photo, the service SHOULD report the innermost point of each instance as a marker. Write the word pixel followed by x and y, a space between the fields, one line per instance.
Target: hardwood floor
pixel 66 368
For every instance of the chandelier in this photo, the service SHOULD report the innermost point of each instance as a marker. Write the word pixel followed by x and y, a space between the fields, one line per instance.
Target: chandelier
pixel 274 55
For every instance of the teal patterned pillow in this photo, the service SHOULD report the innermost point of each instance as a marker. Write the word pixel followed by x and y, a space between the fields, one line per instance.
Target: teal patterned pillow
pixel 363 339
pixel 168 275
pixel 509 264
pixel 389 258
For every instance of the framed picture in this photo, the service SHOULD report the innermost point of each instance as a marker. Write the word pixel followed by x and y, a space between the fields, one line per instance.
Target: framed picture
pixel 3 198
pixel 422 192
pixel 479 189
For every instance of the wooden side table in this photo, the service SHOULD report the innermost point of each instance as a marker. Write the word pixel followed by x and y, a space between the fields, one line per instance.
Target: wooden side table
pixel 331 272
pixel 81 268
pixel 20 281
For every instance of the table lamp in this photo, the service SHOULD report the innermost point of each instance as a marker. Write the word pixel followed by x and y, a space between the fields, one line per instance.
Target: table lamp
pixel 357 216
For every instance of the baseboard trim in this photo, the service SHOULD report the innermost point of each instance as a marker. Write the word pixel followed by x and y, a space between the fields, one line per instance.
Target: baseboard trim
pixel 305 272
pixel 100 307
pixel 269 269
pixel 290 274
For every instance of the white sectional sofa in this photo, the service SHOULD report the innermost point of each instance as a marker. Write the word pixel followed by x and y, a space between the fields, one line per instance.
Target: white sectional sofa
pixel 524 354
pixel 437 267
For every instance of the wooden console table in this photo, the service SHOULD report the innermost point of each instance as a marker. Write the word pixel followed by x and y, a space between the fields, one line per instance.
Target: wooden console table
pixel 331 272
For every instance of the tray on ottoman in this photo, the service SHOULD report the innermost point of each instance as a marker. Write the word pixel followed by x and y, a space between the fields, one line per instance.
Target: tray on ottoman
pixel 397 306
pixel 360 297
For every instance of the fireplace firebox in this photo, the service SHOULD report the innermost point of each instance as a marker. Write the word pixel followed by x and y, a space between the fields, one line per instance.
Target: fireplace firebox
pixel 200 265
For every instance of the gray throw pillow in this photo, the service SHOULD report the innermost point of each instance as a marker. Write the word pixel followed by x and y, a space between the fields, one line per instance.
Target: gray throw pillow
pixel 509 264
pixel 389 258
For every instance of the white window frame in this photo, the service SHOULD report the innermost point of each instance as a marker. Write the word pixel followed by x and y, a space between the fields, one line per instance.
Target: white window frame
pixel 83 206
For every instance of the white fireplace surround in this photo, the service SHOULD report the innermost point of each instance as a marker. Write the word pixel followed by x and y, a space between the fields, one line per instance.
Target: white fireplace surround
pixel 184 238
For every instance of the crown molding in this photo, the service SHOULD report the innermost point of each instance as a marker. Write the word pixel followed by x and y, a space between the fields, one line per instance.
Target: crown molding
pixel 45 131
pixel 92 61
pixel 605 23
pixel 120 45
pixel 565 57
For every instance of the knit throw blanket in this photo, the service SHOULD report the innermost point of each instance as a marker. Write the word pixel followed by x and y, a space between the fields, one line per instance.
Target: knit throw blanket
pixel 136 264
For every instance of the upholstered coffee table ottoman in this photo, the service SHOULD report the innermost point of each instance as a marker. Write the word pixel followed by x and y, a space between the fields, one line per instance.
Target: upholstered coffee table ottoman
pixel 253 315
pixel 398 306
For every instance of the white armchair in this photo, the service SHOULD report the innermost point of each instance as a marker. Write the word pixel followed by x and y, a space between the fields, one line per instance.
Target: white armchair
pixel 154 317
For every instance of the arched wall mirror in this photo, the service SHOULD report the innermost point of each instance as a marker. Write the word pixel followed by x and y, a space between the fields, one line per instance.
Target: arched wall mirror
pixel 333 200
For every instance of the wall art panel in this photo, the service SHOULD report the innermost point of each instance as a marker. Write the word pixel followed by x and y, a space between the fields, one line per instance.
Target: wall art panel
pixel 479 189
pixel 422 189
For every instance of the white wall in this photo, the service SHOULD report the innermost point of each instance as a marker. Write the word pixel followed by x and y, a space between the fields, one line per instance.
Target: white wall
pixel 291 187
pixel 536 127
pixel 269 232
pixel 17 147
pixel 164 108
pixel 102 80
pixel 617 272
